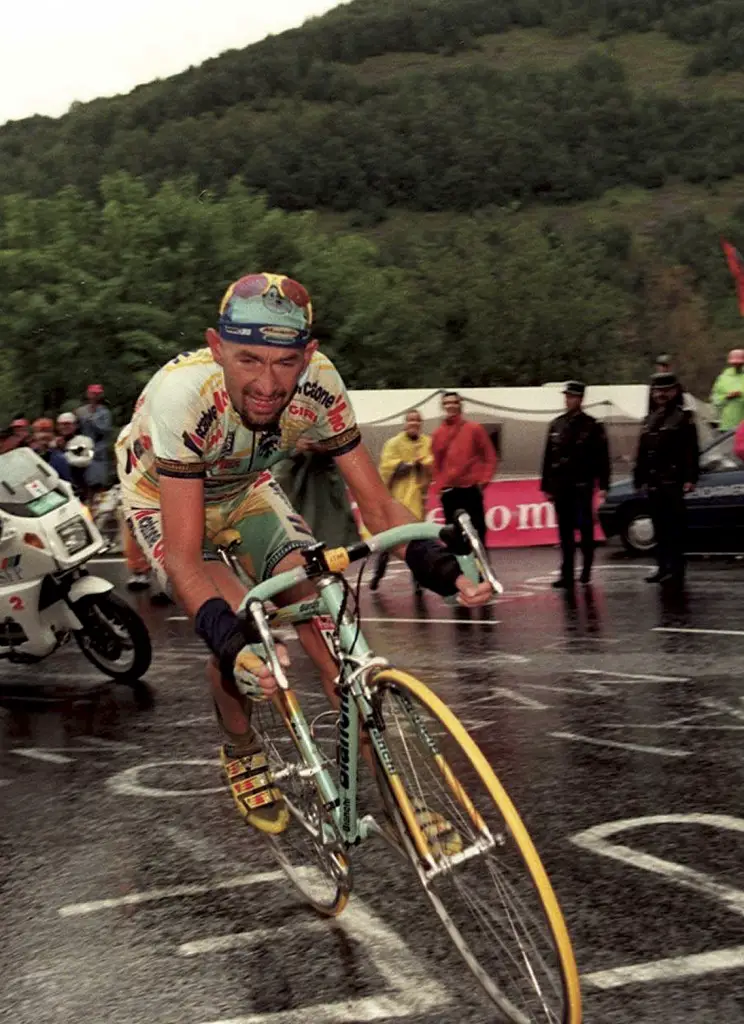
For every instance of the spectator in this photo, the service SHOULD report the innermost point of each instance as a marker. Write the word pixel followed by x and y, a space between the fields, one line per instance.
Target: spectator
pixel 575 463
pixel 95 423
pixel 728 392
pixel 67 428
pixel 464 462
pixel 42 442
pixel 137 564
pixel 663 364
pixel 666 470
pixel 317 492
pixel 405 467
pixel 739 442
pixel 17 435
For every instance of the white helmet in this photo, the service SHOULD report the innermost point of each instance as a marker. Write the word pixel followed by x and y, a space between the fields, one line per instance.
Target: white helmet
pixel 79 451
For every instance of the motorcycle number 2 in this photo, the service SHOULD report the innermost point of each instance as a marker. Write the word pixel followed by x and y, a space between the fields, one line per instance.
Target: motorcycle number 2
pixel 16 603
pixel 598 840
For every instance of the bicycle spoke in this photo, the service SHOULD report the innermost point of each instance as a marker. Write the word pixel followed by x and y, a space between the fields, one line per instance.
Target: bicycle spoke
pixel 315 864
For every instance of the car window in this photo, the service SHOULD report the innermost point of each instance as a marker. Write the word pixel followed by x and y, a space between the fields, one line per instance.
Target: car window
pixel 720 457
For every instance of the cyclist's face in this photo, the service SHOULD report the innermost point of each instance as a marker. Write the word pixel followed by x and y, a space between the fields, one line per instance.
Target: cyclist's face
pixel 260 379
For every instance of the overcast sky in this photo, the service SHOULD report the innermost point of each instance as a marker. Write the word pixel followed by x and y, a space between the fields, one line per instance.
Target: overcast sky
pixel 55 51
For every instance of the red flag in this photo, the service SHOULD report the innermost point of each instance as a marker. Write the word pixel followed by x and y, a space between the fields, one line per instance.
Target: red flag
pixel 736 266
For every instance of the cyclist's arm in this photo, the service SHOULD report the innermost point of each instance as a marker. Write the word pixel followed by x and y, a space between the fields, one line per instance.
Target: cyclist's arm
pixel 182 511
pixel 378 509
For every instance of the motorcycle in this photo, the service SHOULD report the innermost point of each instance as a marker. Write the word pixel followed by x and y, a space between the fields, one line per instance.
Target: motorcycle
pixel 46 596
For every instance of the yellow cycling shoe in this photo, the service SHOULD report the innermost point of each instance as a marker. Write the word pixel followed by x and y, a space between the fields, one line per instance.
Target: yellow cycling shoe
pixel 443 838
pixel 251 783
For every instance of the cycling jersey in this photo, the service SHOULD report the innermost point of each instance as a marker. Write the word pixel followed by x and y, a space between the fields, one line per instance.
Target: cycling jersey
pixel 184 425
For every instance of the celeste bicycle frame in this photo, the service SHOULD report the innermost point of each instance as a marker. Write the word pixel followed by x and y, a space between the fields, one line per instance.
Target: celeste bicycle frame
pixel 357 664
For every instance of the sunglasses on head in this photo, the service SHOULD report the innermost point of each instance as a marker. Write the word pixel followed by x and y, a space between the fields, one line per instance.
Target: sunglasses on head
pixel 259 284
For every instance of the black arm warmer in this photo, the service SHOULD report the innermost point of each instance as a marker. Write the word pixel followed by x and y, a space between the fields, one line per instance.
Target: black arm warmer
pixel 433 566
pixel 224 633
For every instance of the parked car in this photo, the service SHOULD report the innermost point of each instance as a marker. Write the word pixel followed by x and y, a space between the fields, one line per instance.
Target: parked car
pixel 715 509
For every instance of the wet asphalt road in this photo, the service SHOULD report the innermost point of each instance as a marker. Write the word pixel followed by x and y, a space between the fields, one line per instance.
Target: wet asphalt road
pixel 615 726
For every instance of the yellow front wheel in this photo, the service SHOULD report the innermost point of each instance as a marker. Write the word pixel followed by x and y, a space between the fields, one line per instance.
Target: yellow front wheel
pixel 474 856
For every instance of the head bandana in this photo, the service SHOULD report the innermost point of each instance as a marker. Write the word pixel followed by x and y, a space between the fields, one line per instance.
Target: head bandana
pixel 266 309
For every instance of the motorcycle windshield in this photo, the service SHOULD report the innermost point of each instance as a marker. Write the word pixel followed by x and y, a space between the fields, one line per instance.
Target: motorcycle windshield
pixel 28 486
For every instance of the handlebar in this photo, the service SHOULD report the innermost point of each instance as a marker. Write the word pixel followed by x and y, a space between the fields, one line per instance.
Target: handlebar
pixel 460 538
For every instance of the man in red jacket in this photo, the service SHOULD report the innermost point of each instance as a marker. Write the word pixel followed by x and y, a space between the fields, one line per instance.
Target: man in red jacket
pixel 464 462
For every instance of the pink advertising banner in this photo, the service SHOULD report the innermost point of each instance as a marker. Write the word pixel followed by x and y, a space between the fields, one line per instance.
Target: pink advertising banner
pixel 517 514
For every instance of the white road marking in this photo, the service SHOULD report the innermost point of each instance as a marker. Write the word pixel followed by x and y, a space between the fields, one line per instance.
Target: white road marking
pixel 78 677
pixel 127 783
pixel 236 940
pixel 722 707
pixel 682 723
pixel 516 699
pixel 472 724
pixel 99 743
pixel 671 968
pixel 35 754
pixel 690 629
pixel 412 991
pixel 597 840
pixel 194 720
pixel 577 738
pixel 630 675
pixel 168 893
pixel 62 755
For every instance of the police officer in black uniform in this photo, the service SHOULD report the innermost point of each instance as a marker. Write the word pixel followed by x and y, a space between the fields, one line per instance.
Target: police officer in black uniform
pixel 576 460
pixel 666 469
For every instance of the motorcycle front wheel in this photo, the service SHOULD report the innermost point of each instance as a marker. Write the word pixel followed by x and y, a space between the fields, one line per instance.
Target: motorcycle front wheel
pixel 114 638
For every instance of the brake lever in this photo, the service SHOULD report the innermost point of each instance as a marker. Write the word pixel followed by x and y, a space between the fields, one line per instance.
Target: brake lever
pixel 258 614
pixel 479 552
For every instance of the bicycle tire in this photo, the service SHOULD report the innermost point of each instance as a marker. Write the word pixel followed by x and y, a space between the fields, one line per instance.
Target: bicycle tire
pixel 297 850
pixel 549 975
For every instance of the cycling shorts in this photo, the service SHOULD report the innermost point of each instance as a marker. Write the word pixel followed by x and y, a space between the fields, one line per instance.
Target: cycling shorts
pixel 268 525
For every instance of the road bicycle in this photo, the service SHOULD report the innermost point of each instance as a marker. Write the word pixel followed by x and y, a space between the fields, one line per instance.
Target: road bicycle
pixel 444 808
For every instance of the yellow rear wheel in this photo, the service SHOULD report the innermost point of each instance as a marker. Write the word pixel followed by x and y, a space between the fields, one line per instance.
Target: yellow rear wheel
pixel 474 856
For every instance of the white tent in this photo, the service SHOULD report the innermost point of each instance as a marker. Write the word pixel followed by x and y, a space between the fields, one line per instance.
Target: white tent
pixel 516 418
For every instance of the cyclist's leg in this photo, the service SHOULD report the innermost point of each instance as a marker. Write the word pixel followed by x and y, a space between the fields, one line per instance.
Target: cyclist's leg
pixel 273 536
pixel 146 527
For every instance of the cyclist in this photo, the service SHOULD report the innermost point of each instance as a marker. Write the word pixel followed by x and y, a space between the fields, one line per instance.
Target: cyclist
pixel 194 461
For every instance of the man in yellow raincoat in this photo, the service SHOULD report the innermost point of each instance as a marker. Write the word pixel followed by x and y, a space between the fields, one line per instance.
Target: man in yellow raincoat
pixel 406 465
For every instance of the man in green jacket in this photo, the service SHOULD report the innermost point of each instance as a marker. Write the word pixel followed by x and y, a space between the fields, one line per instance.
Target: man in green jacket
pixel 728 392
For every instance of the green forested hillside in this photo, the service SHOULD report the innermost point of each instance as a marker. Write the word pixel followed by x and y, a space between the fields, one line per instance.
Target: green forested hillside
pixel 313 117
pixel 536 188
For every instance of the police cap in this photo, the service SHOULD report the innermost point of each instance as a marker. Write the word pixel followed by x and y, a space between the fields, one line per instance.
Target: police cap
pixel 574 387
pixel 664 380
